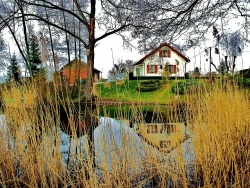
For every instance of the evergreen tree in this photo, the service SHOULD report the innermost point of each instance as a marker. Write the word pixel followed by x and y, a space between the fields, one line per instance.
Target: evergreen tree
pixel 222 68
pixel 35 55
pixel 13 72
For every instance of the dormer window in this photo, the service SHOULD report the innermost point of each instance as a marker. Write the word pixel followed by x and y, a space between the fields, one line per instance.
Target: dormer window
pixel 165 53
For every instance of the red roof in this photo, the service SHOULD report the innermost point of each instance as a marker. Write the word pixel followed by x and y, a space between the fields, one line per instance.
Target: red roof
pixel 155 50
pixel 73 65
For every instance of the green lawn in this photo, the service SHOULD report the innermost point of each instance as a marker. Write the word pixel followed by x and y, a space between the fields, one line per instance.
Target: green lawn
pixel 126 91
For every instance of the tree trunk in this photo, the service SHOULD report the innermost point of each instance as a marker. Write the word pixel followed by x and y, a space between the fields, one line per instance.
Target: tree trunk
pixel 90 124
pixel 234 59
pixel 28 63
pixel 227 66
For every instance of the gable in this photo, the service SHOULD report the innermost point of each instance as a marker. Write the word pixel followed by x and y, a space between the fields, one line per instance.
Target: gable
pixel 160 51
pixel 164 52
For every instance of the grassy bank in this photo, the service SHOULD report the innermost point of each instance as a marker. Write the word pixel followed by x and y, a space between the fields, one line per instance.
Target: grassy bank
pixel 31 152
pixel 126 91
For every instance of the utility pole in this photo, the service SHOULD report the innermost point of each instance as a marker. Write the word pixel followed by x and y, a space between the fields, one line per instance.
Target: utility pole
pixel 113 63
pixel 112 57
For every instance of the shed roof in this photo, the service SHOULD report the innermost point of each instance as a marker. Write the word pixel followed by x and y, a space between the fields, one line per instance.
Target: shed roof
pixel 76 64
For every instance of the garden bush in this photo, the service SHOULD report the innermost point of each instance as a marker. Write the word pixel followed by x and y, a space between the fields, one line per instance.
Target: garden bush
pixel 148 85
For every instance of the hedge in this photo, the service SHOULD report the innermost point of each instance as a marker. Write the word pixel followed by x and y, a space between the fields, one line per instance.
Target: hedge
pixel 148 85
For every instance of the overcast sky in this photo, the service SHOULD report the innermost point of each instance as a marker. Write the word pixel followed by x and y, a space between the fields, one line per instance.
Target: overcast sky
pixel 103 53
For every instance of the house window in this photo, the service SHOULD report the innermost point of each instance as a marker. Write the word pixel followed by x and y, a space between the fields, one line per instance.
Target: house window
pixel 171 68
pixel 165 53
pixel 152 69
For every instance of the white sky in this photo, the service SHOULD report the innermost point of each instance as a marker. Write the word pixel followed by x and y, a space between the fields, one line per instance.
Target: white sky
pixel 103 54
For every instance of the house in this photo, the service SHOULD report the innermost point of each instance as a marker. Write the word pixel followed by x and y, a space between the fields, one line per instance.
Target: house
pixel 76 70
pixel 164 59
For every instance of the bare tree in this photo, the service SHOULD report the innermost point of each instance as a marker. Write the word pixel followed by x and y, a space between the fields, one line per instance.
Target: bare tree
pixel 3 54
pixel 233 45
pixel 121 67
pixel 230 45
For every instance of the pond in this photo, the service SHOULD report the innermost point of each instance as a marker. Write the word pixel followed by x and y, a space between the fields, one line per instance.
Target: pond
pixel 110 137
pixel 116 125
pixel 117 141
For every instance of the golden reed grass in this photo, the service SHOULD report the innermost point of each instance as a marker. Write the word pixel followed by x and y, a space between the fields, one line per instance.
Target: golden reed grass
pixel 30 149
pixel 220 132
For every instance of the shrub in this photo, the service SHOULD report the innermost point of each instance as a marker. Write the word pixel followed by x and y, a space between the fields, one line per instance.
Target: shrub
pixel 246 82
pixel 243 82
pixel 148 85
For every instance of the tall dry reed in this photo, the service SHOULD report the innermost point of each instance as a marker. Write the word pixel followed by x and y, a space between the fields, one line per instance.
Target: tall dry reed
pixel 220 132
pixel 31 150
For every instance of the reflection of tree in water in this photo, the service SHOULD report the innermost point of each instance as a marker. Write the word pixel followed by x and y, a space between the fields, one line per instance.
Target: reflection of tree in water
pixel 72 120
pixel 146 116
pixel 177 112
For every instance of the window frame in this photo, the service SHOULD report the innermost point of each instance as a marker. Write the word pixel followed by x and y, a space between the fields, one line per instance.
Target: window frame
pixel 165 53
pixel 152 69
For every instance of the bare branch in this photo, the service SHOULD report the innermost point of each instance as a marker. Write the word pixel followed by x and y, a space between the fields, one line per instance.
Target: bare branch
pixel 56 26
pixel 55 7
pixel 81 13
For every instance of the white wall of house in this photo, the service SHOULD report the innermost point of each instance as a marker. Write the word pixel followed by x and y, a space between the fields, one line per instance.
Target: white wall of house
pixel 158 63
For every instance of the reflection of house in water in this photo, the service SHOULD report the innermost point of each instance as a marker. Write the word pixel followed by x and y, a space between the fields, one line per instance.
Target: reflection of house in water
pixel 164 136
